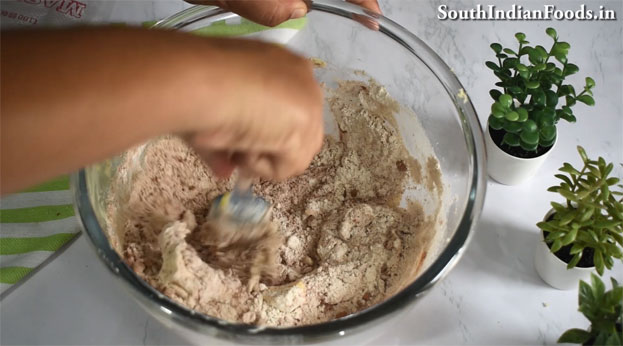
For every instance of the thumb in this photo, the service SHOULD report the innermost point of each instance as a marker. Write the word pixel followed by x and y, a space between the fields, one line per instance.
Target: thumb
pixel 265 12
pixel 270 12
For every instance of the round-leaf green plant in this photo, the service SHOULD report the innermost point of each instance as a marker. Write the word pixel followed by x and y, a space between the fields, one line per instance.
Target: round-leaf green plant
pixel 532 82
pixel 592 216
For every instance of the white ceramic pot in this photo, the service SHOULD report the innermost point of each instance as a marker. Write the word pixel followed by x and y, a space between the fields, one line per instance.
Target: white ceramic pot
pixel 553 270
pixel 508 169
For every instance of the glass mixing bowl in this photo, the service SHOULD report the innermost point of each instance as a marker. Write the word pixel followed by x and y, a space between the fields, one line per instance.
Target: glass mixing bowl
pixel 418 79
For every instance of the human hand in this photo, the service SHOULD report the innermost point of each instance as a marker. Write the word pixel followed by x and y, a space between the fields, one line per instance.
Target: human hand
pixel 274 12
pixel 267 118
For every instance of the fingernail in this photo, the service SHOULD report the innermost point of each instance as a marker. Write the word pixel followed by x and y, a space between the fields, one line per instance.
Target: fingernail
pixel 298 13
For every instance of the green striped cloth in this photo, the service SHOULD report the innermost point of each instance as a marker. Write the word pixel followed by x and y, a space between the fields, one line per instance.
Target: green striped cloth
pixel 33 225
pixel 39 221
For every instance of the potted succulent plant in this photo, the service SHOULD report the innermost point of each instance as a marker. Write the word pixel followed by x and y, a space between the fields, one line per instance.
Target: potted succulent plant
pixel 586 232
pixel 521 129
pixel 604 309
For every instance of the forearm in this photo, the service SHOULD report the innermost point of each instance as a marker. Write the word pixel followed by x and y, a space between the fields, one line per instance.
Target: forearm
pixel 72 97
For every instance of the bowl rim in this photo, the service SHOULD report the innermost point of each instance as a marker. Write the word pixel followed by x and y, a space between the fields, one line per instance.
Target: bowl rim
pixel 446 260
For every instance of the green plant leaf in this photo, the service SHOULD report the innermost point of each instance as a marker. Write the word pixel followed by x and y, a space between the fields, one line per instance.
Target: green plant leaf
pixel 601 338
pixel 570 69
pixel 511 139
pixel 550 67
pixel 492 65
pixel 520 36
pixel 505 100
pixel 574 336
pixel 560 51
pixel 615 252
pixel 538 97
pixel 496 47
pixel 587 214
pixel 530 126
pixel 510 63
pixel 570 101
pixel 567 168
pixel 586 99
pixel 511 116
pixel 594 171
pixel 599 261
pixel 585 293
pixel 590 82
pixel 551 98
pixel 597 286
pixel 552 33
pixel 563 178
pixel 570 237
pixel 534 57
pixel 509 51
pixel 574 261
pixel 568 195
pixel 532 84
pixel 495 123
pixel 549 228
pixel 553 189
pixel 609 224
pixel 593 235
pixel 566 90
pixel 525 50
pixel 548 132
pixel 512 126
pixel 495 94
pixel 555 78
pixel 569 118
pixel 577 248
pixel 527 146
pixel 523 114
pixel 613 339
pixel 582 153
pixel 605 193
pixel 516 91
pixel 546 117
pixel 497 110
pixel 556 246
pixel 501 56
pixel 608 170
pixel 530 137
pixel 601 161
pixel 618 238
pixel 566 219
pixel 546 144
pixel 612 181
pixel 542 53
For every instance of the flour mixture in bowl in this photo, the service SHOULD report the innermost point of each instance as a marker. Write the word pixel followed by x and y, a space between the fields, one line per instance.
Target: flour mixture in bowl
pixel 344 235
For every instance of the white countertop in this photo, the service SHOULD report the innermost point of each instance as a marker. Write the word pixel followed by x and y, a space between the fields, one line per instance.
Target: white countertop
pixel 493 296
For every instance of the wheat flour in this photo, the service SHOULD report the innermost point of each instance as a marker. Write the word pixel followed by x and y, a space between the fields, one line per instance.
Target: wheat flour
pixel 343 243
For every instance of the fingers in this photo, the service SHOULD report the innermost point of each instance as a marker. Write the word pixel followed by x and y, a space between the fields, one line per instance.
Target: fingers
pixel 265 12
pixel 267 115
pixel 220 162
pixel 290 160
pixel 371 5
